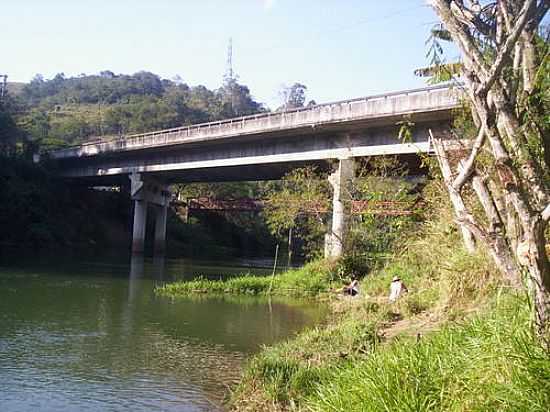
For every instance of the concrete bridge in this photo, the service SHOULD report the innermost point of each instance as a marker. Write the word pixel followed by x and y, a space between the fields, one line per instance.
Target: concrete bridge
pixel 261 147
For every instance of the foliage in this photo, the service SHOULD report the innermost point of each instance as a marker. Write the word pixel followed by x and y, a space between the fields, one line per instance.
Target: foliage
pixel 312 279
pixel 70 110
pixel 293 97
pixel 300 201
pixel 374 233
pixel 9 132
pixel 483 358
pixel 42 213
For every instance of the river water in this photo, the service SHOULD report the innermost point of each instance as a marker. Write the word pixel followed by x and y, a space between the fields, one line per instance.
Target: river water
pixel 93 336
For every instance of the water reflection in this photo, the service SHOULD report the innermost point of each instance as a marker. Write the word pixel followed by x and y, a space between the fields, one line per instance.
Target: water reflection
pixel 93 338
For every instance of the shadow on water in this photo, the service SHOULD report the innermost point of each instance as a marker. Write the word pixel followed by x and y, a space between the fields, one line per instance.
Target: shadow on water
pixel 93 335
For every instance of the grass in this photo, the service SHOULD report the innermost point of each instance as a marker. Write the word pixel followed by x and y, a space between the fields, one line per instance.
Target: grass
pixel 460 340
pixel 282 375
pixel 310 280
pixel 489 363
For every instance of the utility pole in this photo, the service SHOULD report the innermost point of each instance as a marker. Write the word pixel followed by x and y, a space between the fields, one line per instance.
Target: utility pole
pixel 3 85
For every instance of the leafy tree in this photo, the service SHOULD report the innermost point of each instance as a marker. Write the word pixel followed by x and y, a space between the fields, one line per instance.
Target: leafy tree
pixel 293 97
pixel 300 202
pixel 9 132
pixel 505 72
pixel 237 100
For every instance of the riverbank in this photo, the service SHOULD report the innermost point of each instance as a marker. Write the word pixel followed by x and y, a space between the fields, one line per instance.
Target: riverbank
pixel 459 340
pixel 313 279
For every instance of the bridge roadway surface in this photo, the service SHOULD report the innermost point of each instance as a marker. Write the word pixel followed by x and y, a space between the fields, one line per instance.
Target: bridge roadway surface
pixel 267 145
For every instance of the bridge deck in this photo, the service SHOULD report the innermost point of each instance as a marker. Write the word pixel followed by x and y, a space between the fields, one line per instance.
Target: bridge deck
pixel 424 100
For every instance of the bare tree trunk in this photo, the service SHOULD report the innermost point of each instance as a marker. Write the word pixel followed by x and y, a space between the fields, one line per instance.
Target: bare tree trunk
pixel 539 278
pixel 497 245
pixel 500 66
pixel 456 198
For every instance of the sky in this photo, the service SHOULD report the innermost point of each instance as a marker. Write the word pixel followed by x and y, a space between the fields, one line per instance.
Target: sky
pixel 339 49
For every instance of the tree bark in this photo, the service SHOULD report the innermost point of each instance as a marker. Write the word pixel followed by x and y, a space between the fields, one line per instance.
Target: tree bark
pixel 456 198
pixel 499 72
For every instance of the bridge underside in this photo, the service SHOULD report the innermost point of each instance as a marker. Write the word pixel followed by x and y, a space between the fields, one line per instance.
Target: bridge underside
pixel 252 157
pixel 242 173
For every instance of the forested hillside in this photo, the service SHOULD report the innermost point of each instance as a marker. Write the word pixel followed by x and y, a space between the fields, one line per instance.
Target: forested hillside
pixel 68 110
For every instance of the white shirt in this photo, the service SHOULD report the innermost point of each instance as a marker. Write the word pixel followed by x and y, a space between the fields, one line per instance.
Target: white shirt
pixel 396 288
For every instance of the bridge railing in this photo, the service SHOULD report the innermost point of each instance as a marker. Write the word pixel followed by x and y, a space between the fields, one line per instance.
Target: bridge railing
pixel 422 99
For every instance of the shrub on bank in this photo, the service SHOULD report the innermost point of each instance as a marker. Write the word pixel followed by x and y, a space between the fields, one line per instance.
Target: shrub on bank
pixel 312 279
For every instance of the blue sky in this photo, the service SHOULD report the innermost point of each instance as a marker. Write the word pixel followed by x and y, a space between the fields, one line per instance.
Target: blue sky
pixel 338 49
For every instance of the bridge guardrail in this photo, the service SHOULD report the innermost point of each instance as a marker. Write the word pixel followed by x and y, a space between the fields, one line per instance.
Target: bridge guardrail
pixel 439 97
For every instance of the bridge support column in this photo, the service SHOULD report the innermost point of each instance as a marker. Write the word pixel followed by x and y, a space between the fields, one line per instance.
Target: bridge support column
pixel 145 190
pixel 160 230
pixel 340 181
pixel 140 221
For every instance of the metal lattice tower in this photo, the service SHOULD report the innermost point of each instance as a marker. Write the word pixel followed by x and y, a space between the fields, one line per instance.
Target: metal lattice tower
pixel 229 78
pixel 3 85
pixel 229 64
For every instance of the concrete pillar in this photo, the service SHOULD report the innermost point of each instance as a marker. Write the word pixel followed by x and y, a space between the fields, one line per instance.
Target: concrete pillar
pixel 341 206
pixel 160 230
pixel 140 221
pixel 146 190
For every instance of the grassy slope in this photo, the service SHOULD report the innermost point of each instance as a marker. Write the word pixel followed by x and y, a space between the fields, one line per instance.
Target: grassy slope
pixel 459 340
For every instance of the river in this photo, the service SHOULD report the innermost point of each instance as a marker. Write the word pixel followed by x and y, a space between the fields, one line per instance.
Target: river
pixel 93 336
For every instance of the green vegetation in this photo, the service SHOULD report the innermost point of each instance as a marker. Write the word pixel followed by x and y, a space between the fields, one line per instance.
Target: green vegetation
pixel 310 280
pixel 41 213
pixel 69 110
pixel 490 362
pixel 459 340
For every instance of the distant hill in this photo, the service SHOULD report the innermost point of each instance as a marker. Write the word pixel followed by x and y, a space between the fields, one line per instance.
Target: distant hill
pixel 69 110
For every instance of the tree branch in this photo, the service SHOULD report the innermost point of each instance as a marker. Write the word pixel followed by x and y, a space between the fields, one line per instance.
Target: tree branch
pixel 456 199
pixel 468 166
pixel 504 54
pixel 461 36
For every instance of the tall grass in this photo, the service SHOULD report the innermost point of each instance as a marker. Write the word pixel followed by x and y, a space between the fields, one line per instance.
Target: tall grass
pixel 312 279
pixel 475 351
pixel 281 376
pixel 490 363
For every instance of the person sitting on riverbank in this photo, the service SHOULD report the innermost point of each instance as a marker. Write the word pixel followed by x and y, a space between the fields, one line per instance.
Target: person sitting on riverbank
pixel 352 289
pixel 397 287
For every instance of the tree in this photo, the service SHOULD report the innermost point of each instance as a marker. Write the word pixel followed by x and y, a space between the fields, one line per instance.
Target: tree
pixel 505 164
pixel 293 96
pixel 237 100
pixel 9 133
pixel 300 203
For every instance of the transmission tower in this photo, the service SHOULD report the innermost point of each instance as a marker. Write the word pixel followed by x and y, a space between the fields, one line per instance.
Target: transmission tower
pixel 229 78
pixel 229 63
pixel 3 85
